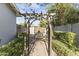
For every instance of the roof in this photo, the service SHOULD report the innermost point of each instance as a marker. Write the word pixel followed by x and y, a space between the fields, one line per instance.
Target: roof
pixel 13 8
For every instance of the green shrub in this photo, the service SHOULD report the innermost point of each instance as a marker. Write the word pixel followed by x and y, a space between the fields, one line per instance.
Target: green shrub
pixel 13 48
pixel 61 49
pixel 66 37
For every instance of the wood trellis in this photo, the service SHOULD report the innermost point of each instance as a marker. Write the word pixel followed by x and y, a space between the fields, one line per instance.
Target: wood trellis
pixel 39 16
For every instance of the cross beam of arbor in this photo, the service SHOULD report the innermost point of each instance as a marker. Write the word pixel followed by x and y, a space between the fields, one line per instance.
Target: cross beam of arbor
pixel 38 15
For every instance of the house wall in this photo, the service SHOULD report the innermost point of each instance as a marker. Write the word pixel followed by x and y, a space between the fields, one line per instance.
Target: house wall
pixel 7 24
pixel 31 30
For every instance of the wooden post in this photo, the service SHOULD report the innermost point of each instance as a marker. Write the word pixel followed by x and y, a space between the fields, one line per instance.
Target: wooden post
pixel 25 37
pixel 29 35
pixel 48 40
pixel 49 35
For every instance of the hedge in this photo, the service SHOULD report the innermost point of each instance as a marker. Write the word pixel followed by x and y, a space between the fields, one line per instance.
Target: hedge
pixel 13 48
pixel 61 49
pixel 66 37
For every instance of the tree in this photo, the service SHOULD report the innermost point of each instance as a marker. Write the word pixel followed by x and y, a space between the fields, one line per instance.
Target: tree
pixel 43 23
pixel 18 26
pixel 65 14
pixel 59 9
pixel 71 16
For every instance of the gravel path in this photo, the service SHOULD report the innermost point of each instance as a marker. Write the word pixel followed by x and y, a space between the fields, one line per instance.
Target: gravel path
pixel 40 49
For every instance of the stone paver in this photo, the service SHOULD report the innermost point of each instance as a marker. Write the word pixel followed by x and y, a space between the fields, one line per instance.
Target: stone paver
pixel 40 49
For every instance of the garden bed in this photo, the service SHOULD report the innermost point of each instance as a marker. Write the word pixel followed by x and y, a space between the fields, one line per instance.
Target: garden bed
pixel 64 43
pixel 13 48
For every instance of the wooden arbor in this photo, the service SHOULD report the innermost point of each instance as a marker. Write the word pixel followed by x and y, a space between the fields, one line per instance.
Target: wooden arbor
pixel 39 16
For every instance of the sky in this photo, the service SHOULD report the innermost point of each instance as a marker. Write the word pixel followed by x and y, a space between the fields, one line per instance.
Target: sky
pixel 38 8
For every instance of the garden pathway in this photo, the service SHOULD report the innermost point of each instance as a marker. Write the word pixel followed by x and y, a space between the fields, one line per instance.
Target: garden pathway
pixel 40 49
